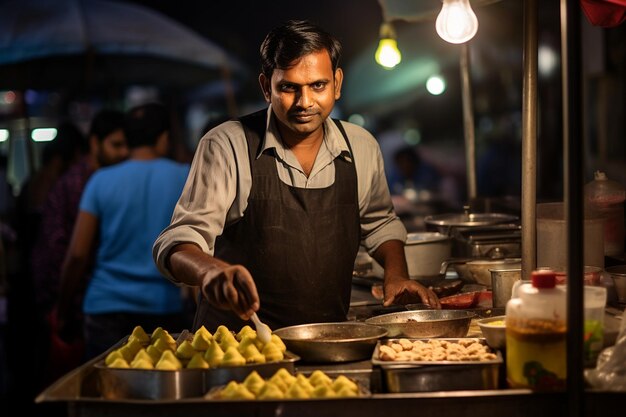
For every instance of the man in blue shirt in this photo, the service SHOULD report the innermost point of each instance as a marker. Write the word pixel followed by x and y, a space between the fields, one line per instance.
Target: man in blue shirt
pixel 122 211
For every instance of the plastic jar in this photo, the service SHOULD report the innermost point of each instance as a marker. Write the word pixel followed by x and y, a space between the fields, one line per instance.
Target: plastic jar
pixel 606 198
pixel 536 327
pixel 595 303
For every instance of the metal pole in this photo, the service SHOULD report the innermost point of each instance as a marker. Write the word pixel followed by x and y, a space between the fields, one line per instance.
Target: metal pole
pixel 468 123
pixel 529 141
pixel 573 187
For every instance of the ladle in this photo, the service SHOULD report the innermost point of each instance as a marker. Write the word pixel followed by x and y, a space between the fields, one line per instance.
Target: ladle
pixel 263 331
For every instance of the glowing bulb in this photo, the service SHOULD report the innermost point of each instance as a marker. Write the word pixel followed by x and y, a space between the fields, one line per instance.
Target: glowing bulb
pixel 435 85
pixel 456 22
pixel 388 55
pixel 45 134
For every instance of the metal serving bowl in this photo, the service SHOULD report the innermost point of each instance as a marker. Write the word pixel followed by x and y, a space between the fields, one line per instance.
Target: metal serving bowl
pixel 331 342
pixel 494 330
pixel 425 323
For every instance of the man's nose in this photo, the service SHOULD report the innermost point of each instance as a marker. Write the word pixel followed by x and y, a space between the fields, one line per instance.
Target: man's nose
pixel 305 98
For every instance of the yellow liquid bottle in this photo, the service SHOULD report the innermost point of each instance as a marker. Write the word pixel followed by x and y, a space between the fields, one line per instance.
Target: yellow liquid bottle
pixel 535 335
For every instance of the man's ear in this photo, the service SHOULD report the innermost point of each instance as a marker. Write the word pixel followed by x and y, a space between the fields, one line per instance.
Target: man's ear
pixel 266 87
pixel 338 82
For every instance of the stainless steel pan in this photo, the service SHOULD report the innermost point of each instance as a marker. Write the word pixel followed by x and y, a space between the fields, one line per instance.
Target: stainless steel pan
pixel 331 342
pixel 425 323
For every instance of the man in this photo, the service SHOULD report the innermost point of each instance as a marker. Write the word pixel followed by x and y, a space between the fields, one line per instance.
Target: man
pixel 277 203
pixel 107 146
pixel 122 211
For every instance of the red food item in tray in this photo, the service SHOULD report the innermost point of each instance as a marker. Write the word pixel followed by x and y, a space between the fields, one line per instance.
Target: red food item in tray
pixel 460 301
pixel 485 299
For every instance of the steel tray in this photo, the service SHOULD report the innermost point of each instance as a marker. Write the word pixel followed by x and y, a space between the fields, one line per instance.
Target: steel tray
pixel 426 376
pixel 116 383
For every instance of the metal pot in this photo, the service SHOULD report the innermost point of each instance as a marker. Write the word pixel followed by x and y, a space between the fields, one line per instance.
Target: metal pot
pixel 425 252
pixel 476 270
pixel 425 323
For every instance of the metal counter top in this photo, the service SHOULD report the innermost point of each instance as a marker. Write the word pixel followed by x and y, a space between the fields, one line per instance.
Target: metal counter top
pixel 80 392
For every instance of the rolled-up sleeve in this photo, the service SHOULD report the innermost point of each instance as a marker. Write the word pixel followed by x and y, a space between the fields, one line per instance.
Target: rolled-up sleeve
pixel 200 214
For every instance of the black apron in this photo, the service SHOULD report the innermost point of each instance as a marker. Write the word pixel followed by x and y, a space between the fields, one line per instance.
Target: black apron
pixel 298 244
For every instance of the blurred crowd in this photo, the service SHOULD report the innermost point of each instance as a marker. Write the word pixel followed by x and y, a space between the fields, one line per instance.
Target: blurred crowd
pixel 68 228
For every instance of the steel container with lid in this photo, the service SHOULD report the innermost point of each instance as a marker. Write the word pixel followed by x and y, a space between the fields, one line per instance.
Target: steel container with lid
pixel 480 235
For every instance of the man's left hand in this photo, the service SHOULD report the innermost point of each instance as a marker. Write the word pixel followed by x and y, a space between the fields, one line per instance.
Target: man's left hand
pixel 406 291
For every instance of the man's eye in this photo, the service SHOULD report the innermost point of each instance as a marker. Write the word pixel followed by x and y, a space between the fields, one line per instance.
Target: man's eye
pixel 287 87
pixel 318 86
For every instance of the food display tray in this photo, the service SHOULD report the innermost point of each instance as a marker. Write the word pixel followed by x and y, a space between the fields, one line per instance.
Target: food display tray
pixel 214 395
pixel 129 383
pixel 427 376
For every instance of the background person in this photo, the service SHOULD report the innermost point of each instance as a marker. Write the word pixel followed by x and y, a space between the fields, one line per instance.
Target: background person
pixel 107 146
pixel 278 202
pixel 122 210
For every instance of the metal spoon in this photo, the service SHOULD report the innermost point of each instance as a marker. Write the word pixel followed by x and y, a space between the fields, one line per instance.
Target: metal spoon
pixel 263 331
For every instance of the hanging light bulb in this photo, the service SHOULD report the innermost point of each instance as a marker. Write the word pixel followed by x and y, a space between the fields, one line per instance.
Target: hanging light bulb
pixel 456 22
pixel 388 55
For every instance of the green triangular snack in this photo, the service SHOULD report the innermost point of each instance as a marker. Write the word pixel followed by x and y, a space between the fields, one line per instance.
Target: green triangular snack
pixel 140 334
pixel 143 354
pixel 185 350
pixel 119 363
pixel 342 382
pixel 296 391
pixel 252 354
pixel 323 391
pixel 214 354
pixel 196 362
pixel 279 343
pixel 318 378
pixel 303 381
pixel 271 391
pixel 200 341
pixel 115 354
pixel 232 357
pixel 156 333
pixel 220 333
pixel 168 361
pixel 154 353
pixel 254 382
pixel 247 340
pixel 162 345
pixel 204 332
pixel 228 340
pixel 272 353
pixel 239 392
pixel 245 330
pixel 141 364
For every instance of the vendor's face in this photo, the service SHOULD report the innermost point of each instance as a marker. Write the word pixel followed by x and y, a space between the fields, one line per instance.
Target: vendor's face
pixel 113 148
pixel 303 95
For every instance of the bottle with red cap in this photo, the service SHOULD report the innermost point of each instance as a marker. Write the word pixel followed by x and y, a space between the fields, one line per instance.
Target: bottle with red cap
pixel 536 330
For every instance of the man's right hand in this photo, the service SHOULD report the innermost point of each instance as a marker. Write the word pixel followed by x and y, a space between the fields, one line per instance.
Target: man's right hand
pixel 232 289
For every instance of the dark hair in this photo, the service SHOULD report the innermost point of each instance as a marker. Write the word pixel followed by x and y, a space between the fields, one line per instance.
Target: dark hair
pixel 68 143
pixel 106 122
pixel 293 40
pixel 144 124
